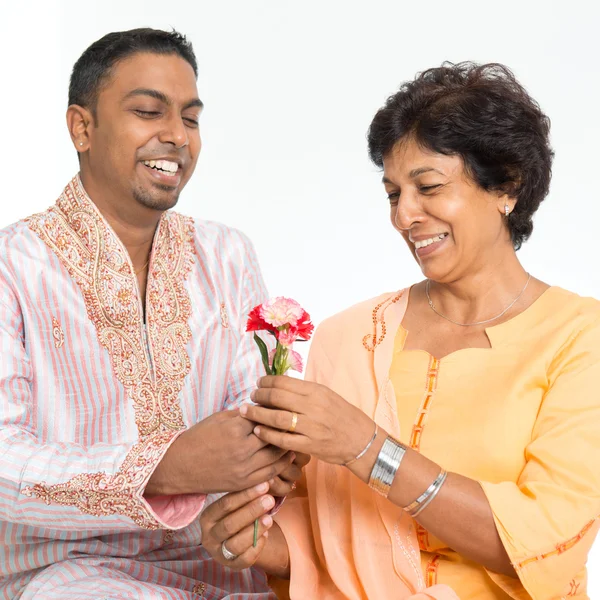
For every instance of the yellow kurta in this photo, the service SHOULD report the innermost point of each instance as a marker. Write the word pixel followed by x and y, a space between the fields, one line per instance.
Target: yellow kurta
pixel 523 418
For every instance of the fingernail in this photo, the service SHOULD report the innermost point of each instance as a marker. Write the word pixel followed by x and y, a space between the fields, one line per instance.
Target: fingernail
pixel 253 395
pixel 257 431
pixel 293 457
pixel 261 488
pixel 271 481
pixel 267 501
pixel 267 521
pixel 244 409
pixel 258 381
pixel 266 534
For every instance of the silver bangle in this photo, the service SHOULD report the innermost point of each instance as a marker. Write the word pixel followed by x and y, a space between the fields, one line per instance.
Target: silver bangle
pixel 358 456
pixel 386 465
pixel 414 508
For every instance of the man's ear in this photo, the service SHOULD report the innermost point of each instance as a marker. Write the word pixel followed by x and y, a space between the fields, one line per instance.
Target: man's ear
pixel 79 121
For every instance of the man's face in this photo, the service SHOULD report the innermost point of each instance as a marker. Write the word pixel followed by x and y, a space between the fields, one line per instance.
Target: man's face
pixel 145 140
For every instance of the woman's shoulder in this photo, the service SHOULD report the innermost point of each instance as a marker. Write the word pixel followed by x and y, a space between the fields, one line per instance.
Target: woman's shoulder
pixel 564 305
pixel 358 317
pixel 566 323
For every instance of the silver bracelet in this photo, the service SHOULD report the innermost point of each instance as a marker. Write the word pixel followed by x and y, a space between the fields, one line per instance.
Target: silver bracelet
pixel 385 467
pixel 358 456
pixel 414 508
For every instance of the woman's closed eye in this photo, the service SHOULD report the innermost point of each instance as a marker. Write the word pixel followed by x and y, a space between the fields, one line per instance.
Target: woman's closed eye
pixel 425 189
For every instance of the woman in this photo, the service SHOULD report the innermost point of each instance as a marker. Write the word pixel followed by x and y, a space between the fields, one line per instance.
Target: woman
pixel 468 401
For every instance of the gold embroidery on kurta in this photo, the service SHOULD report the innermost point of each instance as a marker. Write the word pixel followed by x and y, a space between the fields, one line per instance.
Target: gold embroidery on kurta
pixel 200 589
pixel 574 588
pixel 99 263
pixel 224 316
pixel 431 570
pixel 430 388
pixel 372 340
pixel 559 548
pixel 431 382
pixel 57 333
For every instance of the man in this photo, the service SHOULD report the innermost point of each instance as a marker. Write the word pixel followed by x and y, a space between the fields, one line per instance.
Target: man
pixel 123 356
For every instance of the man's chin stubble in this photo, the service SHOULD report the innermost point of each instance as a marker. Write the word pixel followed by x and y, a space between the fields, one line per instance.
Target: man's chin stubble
pixel 156 203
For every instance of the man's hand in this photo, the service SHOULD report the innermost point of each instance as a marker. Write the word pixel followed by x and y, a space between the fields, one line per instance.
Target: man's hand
pixel 286 482
pixel 230 521
pixel 219 454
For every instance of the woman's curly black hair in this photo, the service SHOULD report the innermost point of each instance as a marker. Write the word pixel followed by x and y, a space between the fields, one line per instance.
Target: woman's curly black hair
pixel 482 114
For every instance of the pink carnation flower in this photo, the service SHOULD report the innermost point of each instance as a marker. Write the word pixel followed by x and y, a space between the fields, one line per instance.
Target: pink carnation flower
pixel 281 311
pixel 287 337
pixel 293 360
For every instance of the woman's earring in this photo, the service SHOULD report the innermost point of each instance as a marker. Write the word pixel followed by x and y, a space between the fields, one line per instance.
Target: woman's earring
pixel 506 210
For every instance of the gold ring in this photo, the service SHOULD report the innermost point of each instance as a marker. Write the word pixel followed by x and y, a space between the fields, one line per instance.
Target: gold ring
pixel 294 423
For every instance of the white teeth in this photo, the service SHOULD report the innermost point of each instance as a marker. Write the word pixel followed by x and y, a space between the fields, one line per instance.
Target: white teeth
pixel 164 165
pixel 425 243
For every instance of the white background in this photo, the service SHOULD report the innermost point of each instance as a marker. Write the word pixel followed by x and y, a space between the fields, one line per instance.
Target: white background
pixel 289 89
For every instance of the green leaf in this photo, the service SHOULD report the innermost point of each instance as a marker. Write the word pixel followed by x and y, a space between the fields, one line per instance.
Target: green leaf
pixel 264 352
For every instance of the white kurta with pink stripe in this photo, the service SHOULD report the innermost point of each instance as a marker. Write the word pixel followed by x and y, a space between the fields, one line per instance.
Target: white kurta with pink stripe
pixel 92 395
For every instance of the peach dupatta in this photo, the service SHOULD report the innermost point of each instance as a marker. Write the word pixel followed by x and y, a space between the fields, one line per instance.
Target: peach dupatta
pixel 346 541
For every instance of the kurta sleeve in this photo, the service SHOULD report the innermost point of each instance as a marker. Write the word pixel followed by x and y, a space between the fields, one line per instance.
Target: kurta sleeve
pixel 99 487
pixel 547 519
pixel 247 366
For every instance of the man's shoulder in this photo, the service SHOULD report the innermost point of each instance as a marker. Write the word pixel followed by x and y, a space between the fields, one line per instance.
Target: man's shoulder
pixel 214 236
pixel 14 235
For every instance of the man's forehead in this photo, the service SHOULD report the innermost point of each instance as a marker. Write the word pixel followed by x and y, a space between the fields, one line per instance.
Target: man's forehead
pixel 168 74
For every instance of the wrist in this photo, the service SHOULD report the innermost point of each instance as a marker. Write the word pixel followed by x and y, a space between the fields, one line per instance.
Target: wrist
pixel 362 467
pixel 275 557
pixel 166 479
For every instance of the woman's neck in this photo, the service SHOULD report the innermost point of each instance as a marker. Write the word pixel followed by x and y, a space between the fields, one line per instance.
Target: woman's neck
pixel 482 294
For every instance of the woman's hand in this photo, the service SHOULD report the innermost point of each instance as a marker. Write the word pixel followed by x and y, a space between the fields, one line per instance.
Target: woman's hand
pixel 230 521
pixel 286 482
pixel 327 426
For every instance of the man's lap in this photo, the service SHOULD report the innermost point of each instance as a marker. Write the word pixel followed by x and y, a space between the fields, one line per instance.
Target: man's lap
pixel 92 578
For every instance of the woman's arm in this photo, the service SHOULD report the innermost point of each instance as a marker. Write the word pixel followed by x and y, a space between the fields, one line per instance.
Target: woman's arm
pixel 460 515
pixel 336 431
pixel 275 557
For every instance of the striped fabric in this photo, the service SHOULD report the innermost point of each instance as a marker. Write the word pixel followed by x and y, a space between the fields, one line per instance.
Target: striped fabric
pixel 92 395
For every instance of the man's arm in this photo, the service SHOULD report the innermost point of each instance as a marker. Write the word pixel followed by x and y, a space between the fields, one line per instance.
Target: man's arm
pixel 221 453
pixel 65 485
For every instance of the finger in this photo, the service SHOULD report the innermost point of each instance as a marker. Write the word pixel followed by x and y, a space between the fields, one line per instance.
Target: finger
pixel 267 456
pixel 255 444
pixel 278 398
pixel 236 521
pixel 248 558
pixel 244 540
pixel 302 459
pixel 281 439
pixel 233 502
pixel 277 419
pixel 280 487
pixel 274 470
pixel 290 384
pixel 291 474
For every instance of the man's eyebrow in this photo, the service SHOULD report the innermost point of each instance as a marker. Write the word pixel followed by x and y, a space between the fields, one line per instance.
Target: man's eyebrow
pixel 162 97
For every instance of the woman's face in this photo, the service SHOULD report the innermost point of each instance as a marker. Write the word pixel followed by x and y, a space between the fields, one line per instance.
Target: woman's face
pixel 452 226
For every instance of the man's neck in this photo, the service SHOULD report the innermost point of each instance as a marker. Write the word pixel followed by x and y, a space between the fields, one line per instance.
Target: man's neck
pixel 135 226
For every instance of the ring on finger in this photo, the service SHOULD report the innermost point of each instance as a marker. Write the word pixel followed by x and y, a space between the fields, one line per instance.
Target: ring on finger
pixel 226 554
pixel 294 423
